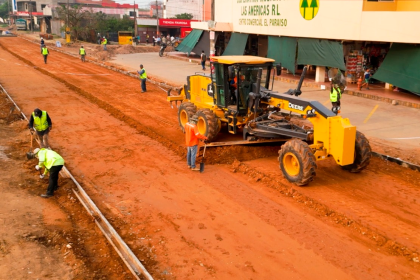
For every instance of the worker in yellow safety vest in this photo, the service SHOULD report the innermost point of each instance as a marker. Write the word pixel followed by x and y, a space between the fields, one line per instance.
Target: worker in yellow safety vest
pixel 335 97
pixel 41 122
pixel 143 77
pixel 104 42
pixel 82 53
pixel 52 162
pixel 45 52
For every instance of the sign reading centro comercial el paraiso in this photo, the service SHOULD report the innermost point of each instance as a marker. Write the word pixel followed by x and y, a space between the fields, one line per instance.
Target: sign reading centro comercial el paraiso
pixel 272 13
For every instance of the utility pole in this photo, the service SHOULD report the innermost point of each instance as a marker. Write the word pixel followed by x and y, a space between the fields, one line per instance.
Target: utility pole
pixel 31 23
pixel 157 19
pixel 135 20
pixel 67 25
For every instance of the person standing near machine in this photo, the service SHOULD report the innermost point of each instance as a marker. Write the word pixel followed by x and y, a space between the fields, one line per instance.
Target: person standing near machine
pixel 191 139
pixel 41 122
pixel 335 97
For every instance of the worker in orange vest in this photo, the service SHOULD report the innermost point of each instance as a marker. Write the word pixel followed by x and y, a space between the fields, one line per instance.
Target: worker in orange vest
pixel 191 139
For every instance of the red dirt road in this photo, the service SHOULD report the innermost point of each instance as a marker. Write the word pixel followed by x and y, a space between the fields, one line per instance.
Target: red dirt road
pixel 239 219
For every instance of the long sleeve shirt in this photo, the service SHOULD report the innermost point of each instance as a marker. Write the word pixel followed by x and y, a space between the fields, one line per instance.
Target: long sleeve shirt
pixel 192 135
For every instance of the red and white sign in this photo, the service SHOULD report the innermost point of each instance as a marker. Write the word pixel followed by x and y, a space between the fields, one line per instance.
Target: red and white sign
pixel 175 22
pixel 29 14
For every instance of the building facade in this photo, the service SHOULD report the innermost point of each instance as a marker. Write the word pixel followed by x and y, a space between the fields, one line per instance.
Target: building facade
pixel 364 30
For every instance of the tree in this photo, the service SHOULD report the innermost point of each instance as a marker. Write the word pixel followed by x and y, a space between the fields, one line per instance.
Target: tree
pixel 76 16
pixel 4 11
pixel 184 16
pixel 314 4
pixel 304 5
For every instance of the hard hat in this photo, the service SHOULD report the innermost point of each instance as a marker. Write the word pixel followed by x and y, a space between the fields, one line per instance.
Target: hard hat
pixel 36 151
pixel 194 118
pixel 104 37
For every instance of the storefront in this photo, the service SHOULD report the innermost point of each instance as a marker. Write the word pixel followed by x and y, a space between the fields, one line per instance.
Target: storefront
pixel 359 33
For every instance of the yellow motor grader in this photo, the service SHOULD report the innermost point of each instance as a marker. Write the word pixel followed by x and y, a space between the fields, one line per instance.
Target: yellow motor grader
pixel 236 94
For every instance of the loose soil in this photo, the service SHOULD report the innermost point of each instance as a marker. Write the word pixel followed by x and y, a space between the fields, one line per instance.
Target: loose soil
pixel 239 219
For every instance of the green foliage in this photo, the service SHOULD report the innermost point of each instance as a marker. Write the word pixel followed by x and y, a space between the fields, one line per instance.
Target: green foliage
pixel 115 24
pixel 184 16
pixel 4 11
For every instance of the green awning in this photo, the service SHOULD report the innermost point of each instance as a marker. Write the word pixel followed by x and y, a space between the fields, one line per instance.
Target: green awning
pixel 320 53
pixel 189 42
pixel 401 67
pixel 283 50
pixel 236 45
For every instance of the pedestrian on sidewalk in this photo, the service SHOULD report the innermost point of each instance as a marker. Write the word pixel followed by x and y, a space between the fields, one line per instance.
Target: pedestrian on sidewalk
pixel 154 41
pixel 143 77
pixel 147 39
pixel 42 42
pixel 41 122
pixel 82 53
pixel 52 162
pixel 191 139
pixel 104 42
pixel 367 78
pixel 45 52
pixel 203 60
pixel 335 97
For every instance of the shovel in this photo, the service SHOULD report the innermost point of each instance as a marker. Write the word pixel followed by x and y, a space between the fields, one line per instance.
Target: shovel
pixel 202 160
pixel 30 154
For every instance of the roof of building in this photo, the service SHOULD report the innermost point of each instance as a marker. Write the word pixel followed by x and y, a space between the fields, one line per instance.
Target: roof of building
pixel 246 59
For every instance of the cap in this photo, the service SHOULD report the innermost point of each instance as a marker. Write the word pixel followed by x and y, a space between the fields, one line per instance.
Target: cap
pixel 141 65
pixel 36 150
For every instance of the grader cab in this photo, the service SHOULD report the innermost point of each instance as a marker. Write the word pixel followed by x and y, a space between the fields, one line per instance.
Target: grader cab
pixel 236 95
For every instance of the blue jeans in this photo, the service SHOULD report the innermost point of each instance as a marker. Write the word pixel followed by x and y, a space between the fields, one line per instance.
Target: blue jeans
pixel 191 154
pixel 143 84
pixel 203 65
pixel 104 47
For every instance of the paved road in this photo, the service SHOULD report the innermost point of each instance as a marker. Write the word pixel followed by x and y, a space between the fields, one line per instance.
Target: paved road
pixel 397 124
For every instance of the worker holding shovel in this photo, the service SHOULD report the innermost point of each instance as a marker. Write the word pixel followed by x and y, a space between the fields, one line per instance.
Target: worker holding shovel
pixel 52 163
pixel 40 121
pixel 191 138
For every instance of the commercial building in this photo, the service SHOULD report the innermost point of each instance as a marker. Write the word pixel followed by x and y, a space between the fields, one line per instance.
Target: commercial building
pixel 351 35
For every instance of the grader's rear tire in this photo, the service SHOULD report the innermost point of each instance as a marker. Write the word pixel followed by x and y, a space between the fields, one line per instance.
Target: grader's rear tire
pixel 207 124
pixel 297 162
pixel 362 154
pixel 185 112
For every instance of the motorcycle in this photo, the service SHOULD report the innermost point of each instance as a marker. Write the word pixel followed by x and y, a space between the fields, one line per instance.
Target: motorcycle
pixel 162 49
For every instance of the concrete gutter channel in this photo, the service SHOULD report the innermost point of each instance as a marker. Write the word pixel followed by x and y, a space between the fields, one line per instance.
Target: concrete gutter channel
pixel 125 253
pixel 131 261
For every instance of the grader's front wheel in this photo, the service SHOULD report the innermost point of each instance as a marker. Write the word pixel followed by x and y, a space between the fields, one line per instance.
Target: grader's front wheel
pixel 207 124
pixel 297 162
pixel 185 112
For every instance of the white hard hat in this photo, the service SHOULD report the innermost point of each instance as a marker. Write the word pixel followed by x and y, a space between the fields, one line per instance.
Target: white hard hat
pixel 36 150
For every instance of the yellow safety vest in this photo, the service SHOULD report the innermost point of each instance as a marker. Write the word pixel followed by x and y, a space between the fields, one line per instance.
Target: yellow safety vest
pixel 104 41
pixel 44 51
pixel 49 158
pixel 82 51
pixel 334 95
pixel 40 123
pixel 144 75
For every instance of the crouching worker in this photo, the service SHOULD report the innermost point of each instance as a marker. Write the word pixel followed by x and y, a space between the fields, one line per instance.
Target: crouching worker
pixel 52 163
pixel 191 138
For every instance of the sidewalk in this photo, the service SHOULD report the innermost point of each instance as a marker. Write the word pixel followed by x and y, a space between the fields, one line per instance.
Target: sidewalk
pixel 375 92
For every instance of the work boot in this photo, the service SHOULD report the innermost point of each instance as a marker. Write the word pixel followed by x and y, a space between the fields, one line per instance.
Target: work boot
pixel 46 195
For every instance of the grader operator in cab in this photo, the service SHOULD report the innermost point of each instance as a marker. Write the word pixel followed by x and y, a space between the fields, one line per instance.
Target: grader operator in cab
pixel 236 94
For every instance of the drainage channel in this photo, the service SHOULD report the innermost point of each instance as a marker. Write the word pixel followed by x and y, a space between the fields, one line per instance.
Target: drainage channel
pixel 125 253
